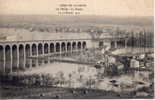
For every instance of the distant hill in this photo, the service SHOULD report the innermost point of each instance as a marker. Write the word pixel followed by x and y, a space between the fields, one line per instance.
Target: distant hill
pixel 47 19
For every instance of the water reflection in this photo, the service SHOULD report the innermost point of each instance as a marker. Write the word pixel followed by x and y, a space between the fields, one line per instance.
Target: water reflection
pixel 86 76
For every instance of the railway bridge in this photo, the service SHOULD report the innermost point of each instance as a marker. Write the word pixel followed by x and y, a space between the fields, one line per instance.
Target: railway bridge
pixel 15 55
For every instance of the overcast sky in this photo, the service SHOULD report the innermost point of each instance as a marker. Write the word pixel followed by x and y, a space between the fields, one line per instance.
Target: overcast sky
pixel 94 7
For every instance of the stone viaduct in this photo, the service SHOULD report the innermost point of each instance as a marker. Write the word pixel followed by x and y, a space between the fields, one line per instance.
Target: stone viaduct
pixel 14 54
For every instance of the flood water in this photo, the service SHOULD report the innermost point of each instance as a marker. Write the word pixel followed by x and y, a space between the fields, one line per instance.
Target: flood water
pixel 86 76
pixel 132 50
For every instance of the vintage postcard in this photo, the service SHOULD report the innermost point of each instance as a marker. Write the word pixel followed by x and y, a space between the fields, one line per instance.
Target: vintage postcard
pixel 76 49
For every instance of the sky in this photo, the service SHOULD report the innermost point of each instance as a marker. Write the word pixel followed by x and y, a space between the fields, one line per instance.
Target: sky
pixel 94 7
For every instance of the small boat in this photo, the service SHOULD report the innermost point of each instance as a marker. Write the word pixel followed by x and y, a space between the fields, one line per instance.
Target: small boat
pixel 99 64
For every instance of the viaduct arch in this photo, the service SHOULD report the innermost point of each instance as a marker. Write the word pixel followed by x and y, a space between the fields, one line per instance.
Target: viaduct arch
pixel 14 55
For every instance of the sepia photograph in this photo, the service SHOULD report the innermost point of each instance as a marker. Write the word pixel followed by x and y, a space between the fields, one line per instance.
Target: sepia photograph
pixel 76 49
